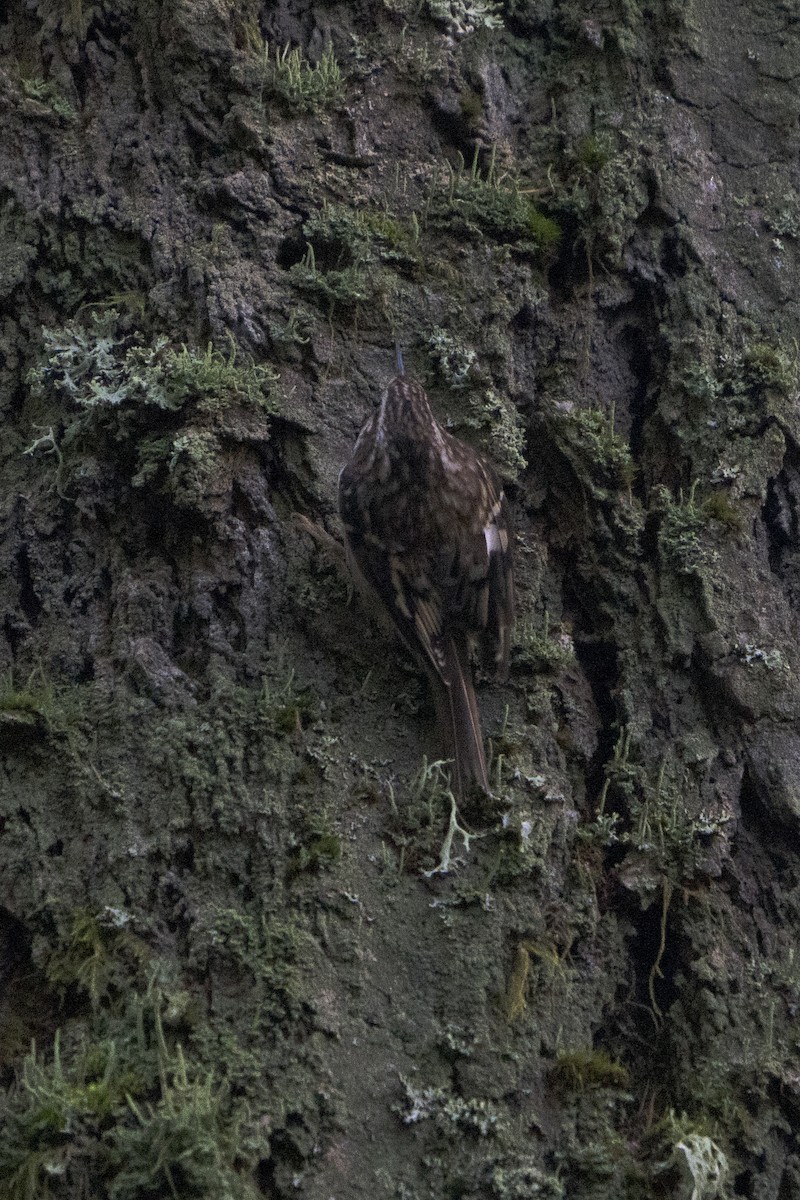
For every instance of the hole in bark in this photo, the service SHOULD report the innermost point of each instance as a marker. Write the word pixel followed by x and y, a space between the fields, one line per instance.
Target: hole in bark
pixel 457 129
pixel 645 952
pixel 183 856
pixel 524 319
pixel 781 517
pixel 27 1008
pixel 190 634
pixel 29 602
pixel 292 249
pixel 571 267
pixel 635 344
pixel 285 1159
pixel 599 662
pixel 15 943
pixel 330 254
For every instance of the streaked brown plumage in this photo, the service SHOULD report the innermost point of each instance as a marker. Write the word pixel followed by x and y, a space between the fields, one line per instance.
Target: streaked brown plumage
pixel 427 534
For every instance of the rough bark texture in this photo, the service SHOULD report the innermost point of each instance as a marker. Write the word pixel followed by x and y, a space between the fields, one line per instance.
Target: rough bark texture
pixel 220 913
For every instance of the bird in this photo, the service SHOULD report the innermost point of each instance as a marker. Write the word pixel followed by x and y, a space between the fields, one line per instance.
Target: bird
pixel 428 539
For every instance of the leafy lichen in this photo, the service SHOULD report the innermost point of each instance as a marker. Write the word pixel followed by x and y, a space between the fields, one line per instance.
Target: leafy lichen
pixel 463 17
pixel 450 1112
pixel 167 410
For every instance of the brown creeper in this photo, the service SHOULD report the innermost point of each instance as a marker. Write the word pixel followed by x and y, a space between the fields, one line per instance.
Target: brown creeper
pixel 426 532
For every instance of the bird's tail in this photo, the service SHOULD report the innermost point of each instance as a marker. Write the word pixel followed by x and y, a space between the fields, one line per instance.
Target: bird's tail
pixel 459 720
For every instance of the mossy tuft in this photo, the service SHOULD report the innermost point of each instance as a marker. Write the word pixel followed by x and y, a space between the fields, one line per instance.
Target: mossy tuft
pixel 125 1116
pixel 584 1070
pixel 476 204
pixel 161 413
pixel 303 87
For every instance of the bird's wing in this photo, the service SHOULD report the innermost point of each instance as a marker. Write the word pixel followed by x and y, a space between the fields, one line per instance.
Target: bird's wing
pixel 476 572
pixel 498 536
pixel 385 570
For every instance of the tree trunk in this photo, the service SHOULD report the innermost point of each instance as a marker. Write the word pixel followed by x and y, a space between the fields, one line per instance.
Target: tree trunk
pixel 256 945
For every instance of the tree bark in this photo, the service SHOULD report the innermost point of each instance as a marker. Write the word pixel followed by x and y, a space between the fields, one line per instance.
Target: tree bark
pixel 257 947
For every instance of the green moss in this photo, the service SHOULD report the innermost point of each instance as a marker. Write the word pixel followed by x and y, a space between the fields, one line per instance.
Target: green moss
pixel 601 458
pixel 602 191
pixel 594 152
pixel 595 1154
pixel 396 239
pixel 515 1000
pixel 124 1116
pixel 322 850
pixel 471 106
pixel 336 287
pixel 742 388
pixel 700 381
pixel 289 335
pixel 731 377
pixel 650 813
pixel 719 508
pixel 266 957
pixel 39 704
pixel 417 58
pixel 768 366
pixel 214 379
pixel 347 249
pixel 47 93
pixel 53 1108
pixel 287 707
pixel 202 759
pixel 190 1140
pixel 521 849
pixel 301 85
pixel 23 702
pixel 98 956
pixel 674 1126
pixel 542 650
pixel 192 464
pixel 683 533
pixel 584 1070
pixel 477 205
